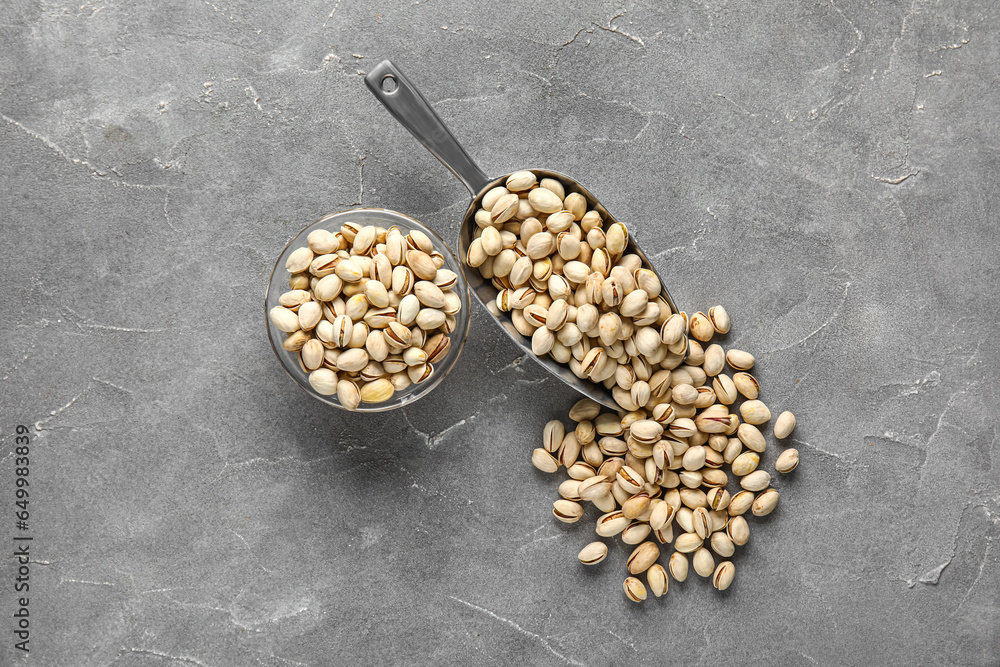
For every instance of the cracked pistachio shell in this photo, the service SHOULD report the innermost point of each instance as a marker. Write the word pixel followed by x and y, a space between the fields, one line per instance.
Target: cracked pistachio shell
pixel 701 327
pixel 642 557
pixel 636 532
pixel 787 461
pixel 740 503
pixel 739 360
pixel 718 498
pixel 672 330
pixel 593 553
pixel 657 578
pixel 784 425
pixel 294 298
pixel 328 288
pixel 437 348
pixel 701 522
pixel 419 373
pixel 552 435
pixel 611 523
pixel 719 318
pixel 348 394
pixel 723 576
pixel 402 280
pixel 544 461
pixel 724 388
pixel 594 487
pixel 343 330
pixel 747 385
pixel 310 313
pixel 364 240
pixel 503 209
pixel 634 589
pixel 755 412
pixel 312 354
pixel 570 489
pixel 636 505
pixel 738 530
pixel 406 312
pixel 567 511
pixel 491 197
pixel 521 180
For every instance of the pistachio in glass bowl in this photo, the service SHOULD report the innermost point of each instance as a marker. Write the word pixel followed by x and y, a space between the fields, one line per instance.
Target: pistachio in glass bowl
pixel 367 309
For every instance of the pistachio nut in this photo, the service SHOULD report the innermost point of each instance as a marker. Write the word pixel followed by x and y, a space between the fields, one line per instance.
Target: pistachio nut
pixel 634 589
pixel 758 480
pixel 323 381
pixel 593 553
pixel 567 511
pixel 784 425
pixel 787 461
pixel 678 566
pixel 642 557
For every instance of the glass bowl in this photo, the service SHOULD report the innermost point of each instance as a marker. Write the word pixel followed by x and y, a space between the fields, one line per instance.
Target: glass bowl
pixel 278 285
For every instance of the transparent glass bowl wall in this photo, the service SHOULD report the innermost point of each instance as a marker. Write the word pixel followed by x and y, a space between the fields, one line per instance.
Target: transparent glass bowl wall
pixel 383 218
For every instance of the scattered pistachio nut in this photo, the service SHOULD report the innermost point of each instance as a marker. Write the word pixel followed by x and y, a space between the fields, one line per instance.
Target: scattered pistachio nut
pixel 634 589
pixel 593 553
pixel 787 461
pixel 661 460
pixel 784 425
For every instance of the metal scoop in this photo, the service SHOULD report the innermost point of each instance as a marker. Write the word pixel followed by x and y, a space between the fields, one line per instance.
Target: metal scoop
pixel 409 107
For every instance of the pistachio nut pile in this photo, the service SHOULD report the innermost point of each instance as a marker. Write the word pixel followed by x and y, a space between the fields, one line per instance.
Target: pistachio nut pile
pixel 571 287
pixel 369 311
pixel 648 469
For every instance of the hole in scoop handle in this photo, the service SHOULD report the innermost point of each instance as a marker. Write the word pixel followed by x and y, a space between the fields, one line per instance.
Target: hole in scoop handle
pixel 409 107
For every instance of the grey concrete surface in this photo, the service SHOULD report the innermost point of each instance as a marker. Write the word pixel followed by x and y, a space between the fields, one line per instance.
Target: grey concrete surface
pixel 826 170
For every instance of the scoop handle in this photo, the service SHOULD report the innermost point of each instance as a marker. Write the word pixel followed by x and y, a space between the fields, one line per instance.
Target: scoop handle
pixel 409 107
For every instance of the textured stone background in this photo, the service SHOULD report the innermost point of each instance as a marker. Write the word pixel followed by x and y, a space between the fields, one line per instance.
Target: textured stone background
pixel 827 170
